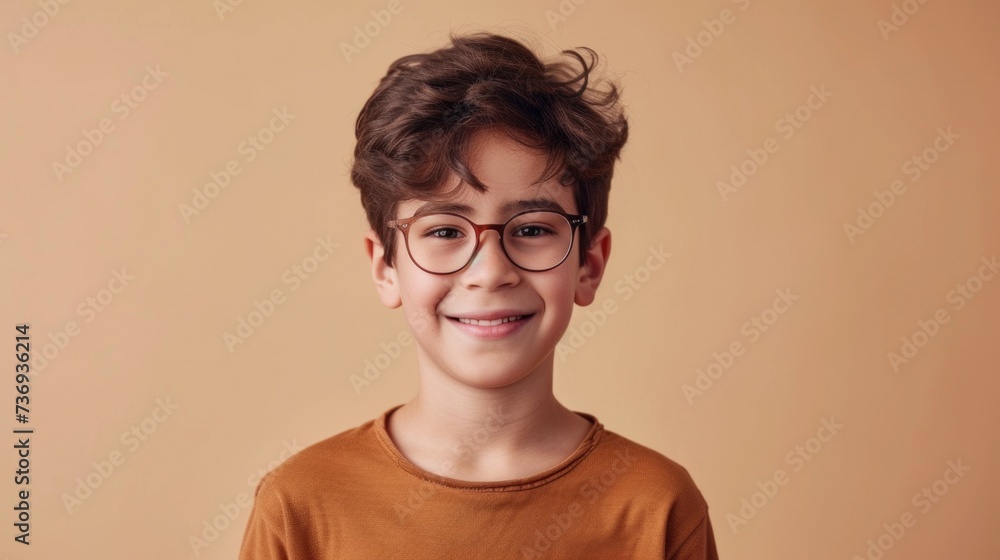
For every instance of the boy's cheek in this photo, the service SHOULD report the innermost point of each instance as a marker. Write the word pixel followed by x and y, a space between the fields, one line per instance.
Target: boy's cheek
pixel 419 324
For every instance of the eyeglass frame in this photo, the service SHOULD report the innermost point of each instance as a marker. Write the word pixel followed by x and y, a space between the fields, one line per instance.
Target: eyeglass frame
pixel 575 221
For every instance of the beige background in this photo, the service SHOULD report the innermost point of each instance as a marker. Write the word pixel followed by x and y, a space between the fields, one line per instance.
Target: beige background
pixel 64 235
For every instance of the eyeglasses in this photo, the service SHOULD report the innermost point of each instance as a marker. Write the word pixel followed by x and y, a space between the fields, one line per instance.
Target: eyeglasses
pixel 444 243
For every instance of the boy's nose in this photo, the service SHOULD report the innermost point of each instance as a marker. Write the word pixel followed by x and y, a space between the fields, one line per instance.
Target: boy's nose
pixel 490 267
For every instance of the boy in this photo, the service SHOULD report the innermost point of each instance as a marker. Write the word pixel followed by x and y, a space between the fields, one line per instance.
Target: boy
pixel 484 174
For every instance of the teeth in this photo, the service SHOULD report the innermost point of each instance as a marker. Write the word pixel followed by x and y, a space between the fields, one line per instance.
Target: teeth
pixel 494 322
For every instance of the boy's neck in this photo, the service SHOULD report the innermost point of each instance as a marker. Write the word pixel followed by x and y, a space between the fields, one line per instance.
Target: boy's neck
pixel 474 434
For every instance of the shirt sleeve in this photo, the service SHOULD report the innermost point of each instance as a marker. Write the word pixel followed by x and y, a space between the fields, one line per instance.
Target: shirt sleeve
pixel 264 537
pixel 698 545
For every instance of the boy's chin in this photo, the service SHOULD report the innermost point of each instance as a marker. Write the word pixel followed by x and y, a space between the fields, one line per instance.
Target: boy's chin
pixel 491 379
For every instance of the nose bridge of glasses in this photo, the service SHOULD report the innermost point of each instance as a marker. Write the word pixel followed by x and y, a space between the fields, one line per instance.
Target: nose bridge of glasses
pixel 485 228
pixel 481 235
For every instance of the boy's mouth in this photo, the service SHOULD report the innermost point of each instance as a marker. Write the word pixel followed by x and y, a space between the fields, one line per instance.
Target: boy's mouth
pixel 488 323
pixel 492 326
pixel 492 319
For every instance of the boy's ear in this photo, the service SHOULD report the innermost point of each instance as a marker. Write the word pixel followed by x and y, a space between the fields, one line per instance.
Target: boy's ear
pixel 592 270
pixel 386 281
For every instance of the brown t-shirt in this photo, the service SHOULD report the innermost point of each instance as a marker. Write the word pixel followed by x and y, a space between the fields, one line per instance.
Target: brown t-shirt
pixel 354 495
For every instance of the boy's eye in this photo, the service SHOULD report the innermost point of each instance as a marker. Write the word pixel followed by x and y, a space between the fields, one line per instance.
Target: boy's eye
pixel 531 231
pixel 443 233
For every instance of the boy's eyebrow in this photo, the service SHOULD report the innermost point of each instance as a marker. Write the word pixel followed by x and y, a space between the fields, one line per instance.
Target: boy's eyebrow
pixel 508 208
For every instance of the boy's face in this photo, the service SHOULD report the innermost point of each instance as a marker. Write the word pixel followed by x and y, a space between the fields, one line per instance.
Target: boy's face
pixel 491 356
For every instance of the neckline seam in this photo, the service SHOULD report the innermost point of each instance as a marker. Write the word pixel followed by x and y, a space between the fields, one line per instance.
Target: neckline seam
pixel 591 440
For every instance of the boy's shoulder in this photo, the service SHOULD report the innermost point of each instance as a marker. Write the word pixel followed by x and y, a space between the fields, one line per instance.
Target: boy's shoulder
pixel 645 473
pixel 347 453
pixel 315 483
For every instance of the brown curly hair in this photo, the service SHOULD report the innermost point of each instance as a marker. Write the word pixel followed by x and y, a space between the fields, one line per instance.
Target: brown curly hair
pixel 416 127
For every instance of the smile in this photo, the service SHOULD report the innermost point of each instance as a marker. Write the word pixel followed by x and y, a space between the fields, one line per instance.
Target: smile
pixel 492 329
pixel 485 323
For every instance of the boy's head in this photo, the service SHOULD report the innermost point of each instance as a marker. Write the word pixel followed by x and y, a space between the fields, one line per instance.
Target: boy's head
pixel 415 131
pixel 482 133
